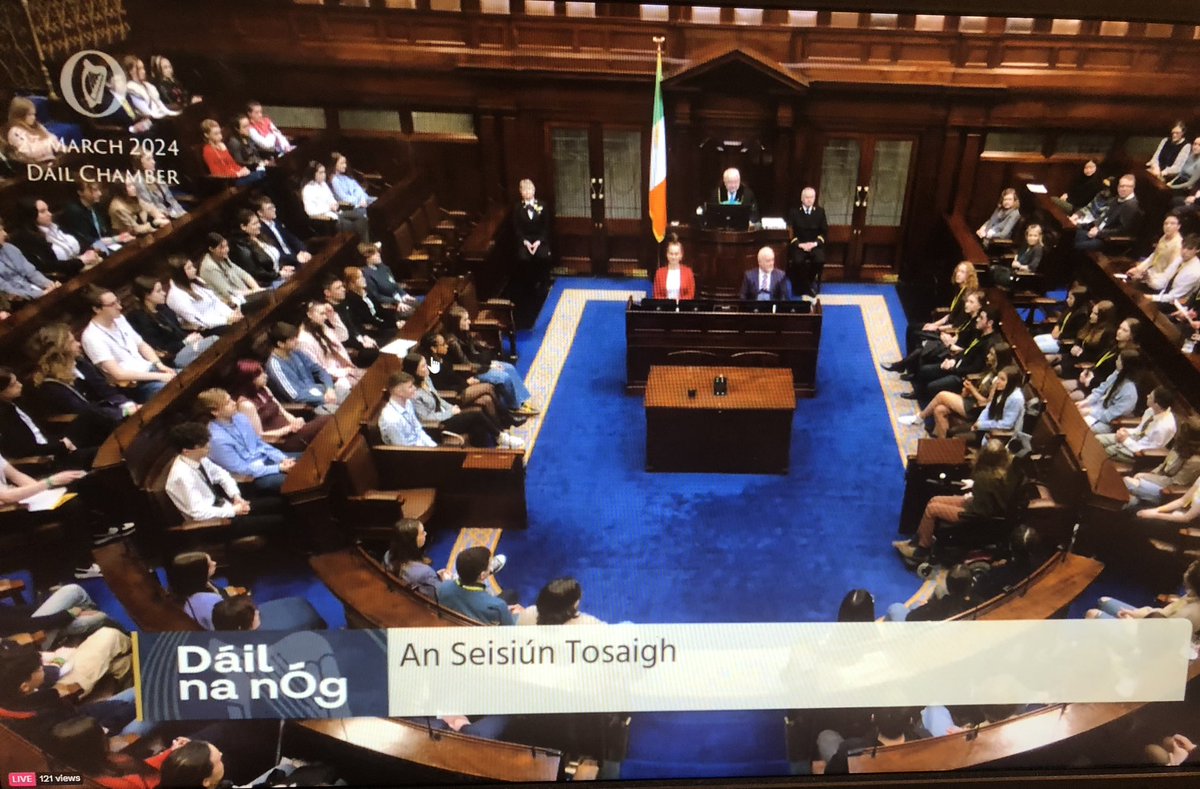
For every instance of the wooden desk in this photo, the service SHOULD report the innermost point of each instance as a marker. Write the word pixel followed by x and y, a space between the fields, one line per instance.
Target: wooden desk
pixel 719 258
pixel 723 335
pixel 1045 594
pixel 380 742
pixel 748 430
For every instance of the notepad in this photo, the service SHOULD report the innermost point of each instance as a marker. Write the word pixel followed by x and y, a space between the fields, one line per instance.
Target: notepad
pixel 49 499
pixel 399 347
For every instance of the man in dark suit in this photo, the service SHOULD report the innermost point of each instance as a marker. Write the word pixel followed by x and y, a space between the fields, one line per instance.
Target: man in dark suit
pixel 948 375
pixel 732 191
pixel 83 219
pixel 292 251
pixel 531 221
pixel 1121 218
pixel 765 283
pixel 806 250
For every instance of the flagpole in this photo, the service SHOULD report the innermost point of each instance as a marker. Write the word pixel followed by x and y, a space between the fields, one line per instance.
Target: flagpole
pixel 657 202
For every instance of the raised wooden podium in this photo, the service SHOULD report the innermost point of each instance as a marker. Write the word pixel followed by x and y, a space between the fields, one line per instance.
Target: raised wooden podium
pixel 719 258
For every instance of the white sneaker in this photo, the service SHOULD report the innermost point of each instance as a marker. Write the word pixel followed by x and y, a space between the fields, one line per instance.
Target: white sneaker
pixel 507 440
pixel 83 573
pixel 497 563
pixel 910 419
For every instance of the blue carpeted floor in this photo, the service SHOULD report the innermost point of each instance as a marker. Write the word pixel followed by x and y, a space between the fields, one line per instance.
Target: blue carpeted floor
pixel 696 547
pixel 707 547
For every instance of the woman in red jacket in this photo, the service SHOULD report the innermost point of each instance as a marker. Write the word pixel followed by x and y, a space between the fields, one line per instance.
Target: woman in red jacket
pixel 674 280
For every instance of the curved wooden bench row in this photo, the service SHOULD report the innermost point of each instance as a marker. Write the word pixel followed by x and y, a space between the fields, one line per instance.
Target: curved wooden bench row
pixel 374 598
pixel 1002 740
pixel 137 588
pixel 1045 593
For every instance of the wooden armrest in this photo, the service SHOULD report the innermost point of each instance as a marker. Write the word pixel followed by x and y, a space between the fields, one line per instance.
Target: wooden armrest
pixel 1152 454
pixel 1003 435
pixel 940 311
pixel 999 242
pixel 1085 365
pixel 1126 421
pixel 505 304
pixel 450 439
pixel 12 588
pixel 242 479
pixel 299 409
pixel 450 397
pixel 1174 491
pixel 464 368
pixel 370 176
pixel 454 212
pixel 389 496
pixel 194 526
pixel 236 591
pixel 62 419
pixel 32 460
pixel 25 639
pixel 1166 599
pixel 486 323
pixel 1190 534
pixel 430 424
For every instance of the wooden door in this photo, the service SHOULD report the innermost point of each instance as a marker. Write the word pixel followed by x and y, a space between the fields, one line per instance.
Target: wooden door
pixel 864 185
pixel 599 189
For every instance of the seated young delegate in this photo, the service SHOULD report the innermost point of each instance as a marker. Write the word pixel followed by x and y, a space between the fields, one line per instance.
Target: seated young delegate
pixel 1155 431
pixel 346 189
pixel 949 406
pixel 29 142
pixel 1179 469
pixel 232 283
pixel 293 251
pixel 119 351
pixel 405 558
pixel 319 341
pixel 55 252
pixel 1005 410
pixel 23 436
pixel 194 302
pixel 1181 511
pixel 382 287
pixel 1184 280
pixel 65 381
pixel 190 580
pixel 18 277
pixel 150 187
pixel 66 612
pixel 16 486
pixel 1070 321
pixel 1187 606
pixel 1094 340
pixel 357 338
pixel 359 311
pixel 84 219
pixel 254 255
pixel 471 391
pixel 237 448
pixel 198 763
pixel 82 743
pixel 398 422
pixel 462 349
pixel 1029 257
pixel 161 328
pixel 1156 269
pixel 955 598
pixel 948 375
pixel 1116 396
pixel 270 420
pixel 1103 365
pixel 429 406
pixel 558 604
pixel 294 377
pixel 966 280
pixel 467 593
pixel 990 494
pixel 220 162
pixel 128 213
pixel 888 726
pixel 321 205
pixel 202 490
pixel 948 340
pixel 265 134
pixel 30 682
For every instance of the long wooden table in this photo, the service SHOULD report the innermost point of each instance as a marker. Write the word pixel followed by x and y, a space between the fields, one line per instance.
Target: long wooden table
pixel 722 334
pixel 689 428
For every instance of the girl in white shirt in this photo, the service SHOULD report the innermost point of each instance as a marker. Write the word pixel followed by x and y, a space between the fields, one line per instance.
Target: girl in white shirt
pixel 142 93
pixel 194 301
pixel 320 204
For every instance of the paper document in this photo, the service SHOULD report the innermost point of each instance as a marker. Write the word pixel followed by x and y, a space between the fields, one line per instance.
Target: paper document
pixel 1037 189
pixel 48 499
pixel 399 347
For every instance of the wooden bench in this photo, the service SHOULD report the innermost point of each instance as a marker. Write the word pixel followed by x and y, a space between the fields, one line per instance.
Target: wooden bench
pixel 1044 594
pixel 383 750
pixel 137 588
pixel 374 598
pixel 1003 741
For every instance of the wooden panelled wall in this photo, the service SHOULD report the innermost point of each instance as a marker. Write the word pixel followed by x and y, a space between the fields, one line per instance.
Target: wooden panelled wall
pixel 518 75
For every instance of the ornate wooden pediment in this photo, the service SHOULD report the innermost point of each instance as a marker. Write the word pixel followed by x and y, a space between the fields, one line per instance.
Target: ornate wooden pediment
pixel 737 69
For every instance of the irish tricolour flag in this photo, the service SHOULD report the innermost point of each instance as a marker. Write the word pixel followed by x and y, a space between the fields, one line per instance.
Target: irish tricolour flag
pixel 658 161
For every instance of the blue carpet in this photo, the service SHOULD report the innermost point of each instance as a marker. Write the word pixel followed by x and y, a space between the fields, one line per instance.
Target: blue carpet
pixel 708 547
